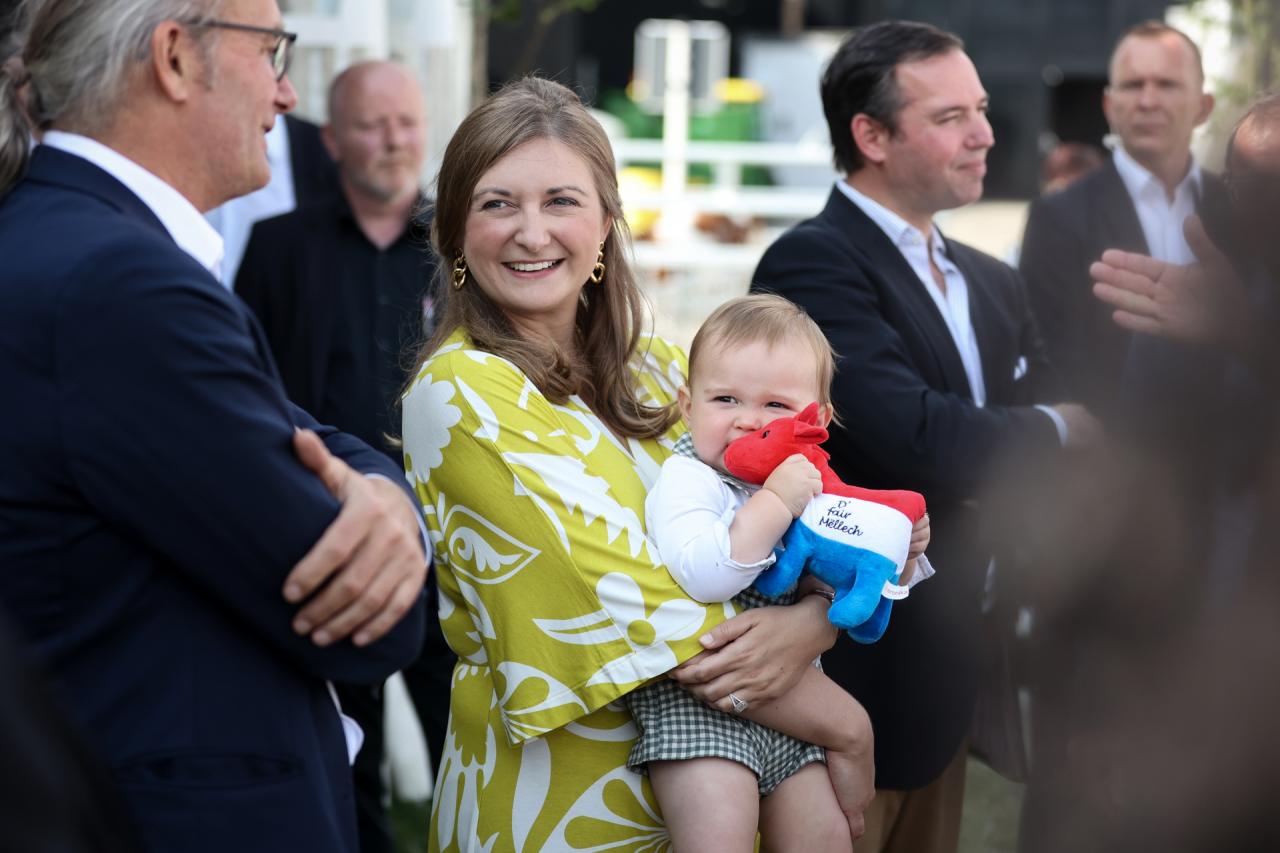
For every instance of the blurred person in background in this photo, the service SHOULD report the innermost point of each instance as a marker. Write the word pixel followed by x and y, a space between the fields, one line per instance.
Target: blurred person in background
pixel 343 289
pixel 1067 163
pixel 1160 612
pixel 1137 201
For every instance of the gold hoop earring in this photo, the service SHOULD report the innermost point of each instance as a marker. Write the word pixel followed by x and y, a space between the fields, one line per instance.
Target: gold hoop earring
pixel 459 271
pixel 597 272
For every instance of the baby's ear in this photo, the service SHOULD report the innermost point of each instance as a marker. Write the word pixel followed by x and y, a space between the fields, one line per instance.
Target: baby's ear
pixel 684 400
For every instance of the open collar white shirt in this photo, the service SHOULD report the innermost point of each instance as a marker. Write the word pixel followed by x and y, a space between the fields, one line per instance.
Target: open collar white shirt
pixel 1160 217
pixel 235 219
pixel 953 305
pixel 179 216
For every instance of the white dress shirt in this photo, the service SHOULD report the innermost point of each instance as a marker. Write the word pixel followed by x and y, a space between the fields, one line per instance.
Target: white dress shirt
pixel 953 304
pixel 198 239
pixel 1161 218
pixel 180 218
pixel 235 219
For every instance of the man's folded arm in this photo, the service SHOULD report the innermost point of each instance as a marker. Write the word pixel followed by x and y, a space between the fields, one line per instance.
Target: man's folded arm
pixel 178 432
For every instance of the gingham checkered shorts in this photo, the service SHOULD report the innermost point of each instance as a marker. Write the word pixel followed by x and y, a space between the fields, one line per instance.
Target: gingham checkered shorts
pixel 674 726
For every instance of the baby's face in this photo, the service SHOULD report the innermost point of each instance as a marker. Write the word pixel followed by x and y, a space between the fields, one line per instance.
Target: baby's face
pixel 735 390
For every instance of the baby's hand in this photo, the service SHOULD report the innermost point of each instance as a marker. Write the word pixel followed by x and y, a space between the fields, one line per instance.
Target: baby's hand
pixel 919 537
pixel 796 481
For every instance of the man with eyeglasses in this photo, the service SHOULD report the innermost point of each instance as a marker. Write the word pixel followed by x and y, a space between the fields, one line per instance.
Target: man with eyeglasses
pixel 192 558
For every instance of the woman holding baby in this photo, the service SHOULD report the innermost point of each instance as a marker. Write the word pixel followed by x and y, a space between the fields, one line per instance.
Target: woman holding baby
pixel 535 426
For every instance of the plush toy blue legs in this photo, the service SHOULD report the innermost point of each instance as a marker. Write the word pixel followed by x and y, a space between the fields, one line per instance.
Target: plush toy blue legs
pixel 857 576
pixel 858 579
pixel 873 628
pixel 784 573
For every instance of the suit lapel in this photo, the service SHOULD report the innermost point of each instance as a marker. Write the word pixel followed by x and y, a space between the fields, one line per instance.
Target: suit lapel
pixel 59 168
pixel 1117 215
pixel 885 261
pixel 984 315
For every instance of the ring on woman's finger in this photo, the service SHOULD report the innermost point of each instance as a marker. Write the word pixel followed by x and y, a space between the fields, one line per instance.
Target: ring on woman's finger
pixel 739 705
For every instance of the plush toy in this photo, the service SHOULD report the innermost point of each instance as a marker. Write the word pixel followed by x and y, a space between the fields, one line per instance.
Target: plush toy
pixel 855 540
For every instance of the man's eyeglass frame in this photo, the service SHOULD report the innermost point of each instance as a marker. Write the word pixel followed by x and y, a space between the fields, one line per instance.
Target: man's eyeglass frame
pixel 281 54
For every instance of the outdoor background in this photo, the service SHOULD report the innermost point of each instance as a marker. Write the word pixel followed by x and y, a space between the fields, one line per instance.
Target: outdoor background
pixel 713 109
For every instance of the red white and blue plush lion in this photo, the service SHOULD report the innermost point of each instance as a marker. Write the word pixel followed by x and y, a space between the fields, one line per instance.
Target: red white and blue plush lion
pixel 855 540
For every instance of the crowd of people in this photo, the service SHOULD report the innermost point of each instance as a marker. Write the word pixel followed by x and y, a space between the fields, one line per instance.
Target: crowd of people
pixel 520 497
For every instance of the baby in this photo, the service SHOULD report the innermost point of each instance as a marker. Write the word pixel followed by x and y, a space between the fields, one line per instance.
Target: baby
pixel 755 359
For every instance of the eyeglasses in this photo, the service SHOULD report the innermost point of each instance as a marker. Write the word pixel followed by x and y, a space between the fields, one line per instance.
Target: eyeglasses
pixel 281 54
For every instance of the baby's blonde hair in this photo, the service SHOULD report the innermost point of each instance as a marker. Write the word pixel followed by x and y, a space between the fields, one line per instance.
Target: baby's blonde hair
pixel 768 319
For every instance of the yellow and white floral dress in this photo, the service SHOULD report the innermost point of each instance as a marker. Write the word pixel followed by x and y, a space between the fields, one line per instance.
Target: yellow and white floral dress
pixel 553 599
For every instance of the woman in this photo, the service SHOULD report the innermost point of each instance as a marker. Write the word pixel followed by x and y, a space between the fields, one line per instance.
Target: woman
pixel 533 430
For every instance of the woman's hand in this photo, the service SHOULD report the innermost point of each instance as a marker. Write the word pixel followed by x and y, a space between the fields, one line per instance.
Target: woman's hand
pixel 758 655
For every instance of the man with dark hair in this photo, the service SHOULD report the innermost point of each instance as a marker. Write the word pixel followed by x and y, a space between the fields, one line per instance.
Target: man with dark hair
pixel 1137 202
pixel 940 371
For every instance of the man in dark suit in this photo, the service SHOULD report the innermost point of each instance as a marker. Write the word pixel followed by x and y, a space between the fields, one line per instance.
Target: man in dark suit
pixel 1136 202
pixel 163 508
pixel 342 287
pixel 940 365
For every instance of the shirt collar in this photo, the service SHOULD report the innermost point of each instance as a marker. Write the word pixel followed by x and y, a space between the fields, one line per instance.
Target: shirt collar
pixel 900 231
pixel 179 216
pixel 419 217
pixel 1138 180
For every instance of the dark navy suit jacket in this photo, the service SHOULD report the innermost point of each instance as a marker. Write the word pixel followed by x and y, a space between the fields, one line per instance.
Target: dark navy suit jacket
pixel 150 508
pixel 909 422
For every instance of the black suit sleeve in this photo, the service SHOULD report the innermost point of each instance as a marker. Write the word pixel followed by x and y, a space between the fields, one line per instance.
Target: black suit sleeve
pixel 262 281
pixel 897 426
pixel 176 429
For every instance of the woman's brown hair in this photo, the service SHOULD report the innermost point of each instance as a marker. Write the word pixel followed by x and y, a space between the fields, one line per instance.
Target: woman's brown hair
pixel 610 314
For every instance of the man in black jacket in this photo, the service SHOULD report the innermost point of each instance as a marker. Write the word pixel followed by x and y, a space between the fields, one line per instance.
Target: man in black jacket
pixel 940 371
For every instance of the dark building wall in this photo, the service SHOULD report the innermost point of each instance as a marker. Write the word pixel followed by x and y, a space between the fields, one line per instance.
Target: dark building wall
pixel 1044 62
